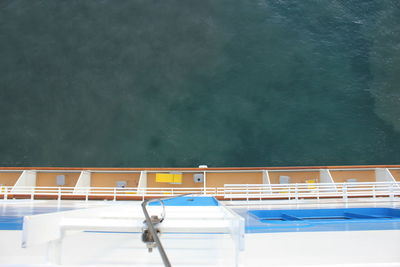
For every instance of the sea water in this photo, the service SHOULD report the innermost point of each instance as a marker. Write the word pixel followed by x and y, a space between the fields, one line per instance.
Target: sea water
pixel 182 83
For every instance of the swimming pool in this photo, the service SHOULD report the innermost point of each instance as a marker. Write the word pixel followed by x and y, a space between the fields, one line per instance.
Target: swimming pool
pixel 11 217
pixel 188 201
pixel 316 220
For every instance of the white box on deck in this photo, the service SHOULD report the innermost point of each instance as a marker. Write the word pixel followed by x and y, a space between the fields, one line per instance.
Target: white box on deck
pixel 284 179
pixel 60 180
pixel 198 178
pixel 121 184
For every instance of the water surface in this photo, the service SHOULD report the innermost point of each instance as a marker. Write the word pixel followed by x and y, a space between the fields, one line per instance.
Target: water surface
pixel 182 83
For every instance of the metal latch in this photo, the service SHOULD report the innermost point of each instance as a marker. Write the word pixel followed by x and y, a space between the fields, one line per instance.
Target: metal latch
pixel 147 237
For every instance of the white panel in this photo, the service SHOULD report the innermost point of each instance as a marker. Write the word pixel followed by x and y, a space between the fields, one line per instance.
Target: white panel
pixel 83 184
pixel 384 175
pixel 142 183
pixel 27 179
pixel 267 181
pixel 325 177
pixel 266 177
pixel 43 228
pixel 237 228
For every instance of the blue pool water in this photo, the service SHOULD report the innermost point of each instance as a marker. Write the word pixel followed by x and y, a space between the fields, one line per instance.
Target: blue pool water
pixel 11 218
pixel 188 201
pixel 315 220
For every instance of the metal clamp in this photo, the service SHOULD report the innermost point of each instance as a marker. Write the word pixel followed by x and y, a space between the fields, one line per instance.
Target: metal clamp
pixel 150 234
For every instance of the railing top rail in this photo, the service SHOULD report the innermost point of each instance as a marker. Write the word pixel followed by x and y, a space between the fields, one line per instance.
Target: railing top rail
pixel 353 184
pixel 355 167
pixel 311 184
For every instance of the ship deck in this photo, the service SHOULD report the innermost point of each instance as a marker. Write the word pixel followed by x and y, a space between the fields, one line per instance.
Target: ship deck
pixel 334 247
pixel 92 216
pixel 223 183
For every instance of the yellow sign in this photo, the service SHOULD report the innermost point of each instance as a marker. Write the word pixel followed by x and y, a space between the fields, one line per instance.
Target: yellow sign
pixel 168 178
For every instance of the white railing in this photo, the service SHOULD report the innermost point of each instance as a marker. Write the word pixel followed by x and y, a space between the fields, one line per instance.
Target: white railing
pixel 229 191
pixel 88 192
pixel 308 190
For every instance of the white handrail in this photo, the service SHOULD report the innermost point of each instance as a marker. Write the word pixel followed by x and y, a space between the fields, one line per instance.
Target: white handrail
pixel 229 191
pixel 314 190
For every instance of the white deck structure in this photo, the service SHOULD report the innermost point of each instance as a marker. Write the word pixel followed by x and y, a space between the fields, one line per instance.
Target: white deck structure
pixel 50 238
pixel 192 236
pixel 108 233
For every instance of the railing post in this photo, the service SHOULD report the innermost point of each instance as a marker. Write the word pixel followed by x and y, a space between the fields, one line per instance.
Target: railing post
pixel 374 191
pixel 33 193
pixel 247 192
pixel 391 192
pixel 115 194
pixel 344 191
pixel 87 195
pixel 59 193
pixel 296 192
pixel 5 193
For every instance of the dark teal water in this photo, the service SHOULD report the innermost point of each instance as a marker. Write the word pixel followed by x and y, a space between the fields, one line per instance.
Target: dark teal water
pixel 182 83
